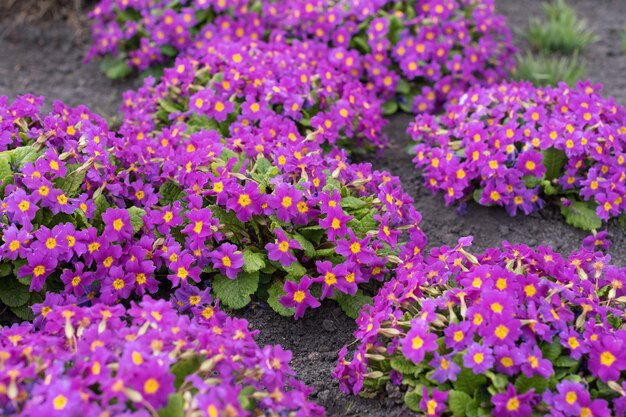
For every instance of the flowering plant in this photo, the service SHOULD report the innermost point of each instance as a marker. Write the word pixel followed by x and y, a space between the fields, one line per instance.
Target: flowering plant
pixel 109 217
pixel 510 332
pixel 148 35
pixel 417 54
pixel 514 145
pixel 287 212
pixel 288 84
pixel 146 360
pixel 55 177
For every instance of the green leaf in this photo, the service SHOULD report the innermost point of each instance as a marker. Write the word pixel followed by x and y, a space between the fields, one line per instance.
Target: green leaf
pixel 309 249
pixel 548 188
pixel 582 215
pixel 235 293
pixel 554 160
pixel 5 269
pixel 244 397
pixel 170 192
pixel 364 224
pixel 360 43
pixel 531 181
pixel 352 304
pixel 169 50
pixel 395 28
pixel 115 68
pixel 566 362
pixel 467 382
pixel 295 271
pixel 477 195
pixel 471 409
pixel 458 402
pixel 553 350
pixel 183 368
pixel 12 293
pixel 499 381
pixel 24 312
pixel 350 202
pixel 136 218
pixel 6 174
pixel 276 291
pixel 101 205
pixel 412 399
pixel 407 104
pixel 524 384
pixel 403 87
pixel 22 155
pixel 226 218
pixel 72 182
pixel 390 107
pixel 175 407
pixel 403 365
pixel 253 261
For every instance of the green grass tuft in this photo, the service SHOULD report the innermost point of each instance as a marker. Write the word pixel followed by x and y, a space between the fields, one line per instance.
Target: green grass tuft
pixel 543 70
pixel 562 32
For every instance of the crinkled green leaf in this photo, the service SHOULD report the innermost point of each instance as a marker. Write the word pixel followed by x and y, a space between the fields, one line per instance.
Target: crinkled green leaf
pixel 307 247
pixel 352 304
pixel 295 270
pixel 524 384
pixel 350 202
pixel 582 215
pixel 553 350
pixel 390 107
pixel 235 293
pixel 136 217
pixel 183 368
pixel 403 365
pixel 175 407
pixel 170 192
pixel 531 181
pixel 253 261
pixel 12 293
pixel 71 183
pixel 24 312
pixel 5 269
pixel 115 68
pixel 276 291
pixel 554 160
pixel 403 87
pixel 412 399
pixel 458 402
pixel 245 398
pixel 467 381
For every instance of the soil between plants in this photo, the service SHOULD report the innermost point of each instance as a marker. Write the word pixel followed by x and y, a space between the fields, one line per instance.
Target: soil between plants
pixel 47 59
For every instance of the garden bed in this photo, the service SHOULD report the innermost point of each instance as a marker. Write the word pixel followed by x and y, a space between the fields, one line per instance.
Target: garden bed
pixel 46 59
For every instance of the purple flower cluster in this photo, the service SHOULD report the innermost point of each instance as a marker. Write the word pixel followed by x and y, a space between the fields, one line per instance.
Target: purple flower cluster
pixel 514 145
pixel 111 217
pixel 291 87
pixel 103 360
pixel 524 330
pixel 425 53
pixel 421 54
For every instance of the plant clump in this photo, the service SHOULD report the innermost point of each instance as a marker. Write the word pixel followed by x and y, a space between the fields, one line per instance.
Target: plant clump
pixel 417 55
pixel 145 360
pixel 516 146
pixel 510 332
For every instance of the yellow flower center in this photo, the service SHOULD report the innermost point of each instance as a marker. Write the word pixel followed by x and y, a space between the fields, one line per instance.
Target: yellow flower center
pixel 151 386
pixel 299 296
pixel 118 224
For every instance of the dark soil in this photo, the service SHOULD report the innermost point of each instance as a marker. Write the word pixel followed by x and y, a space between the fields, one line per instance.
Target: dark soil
pixel 46 59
